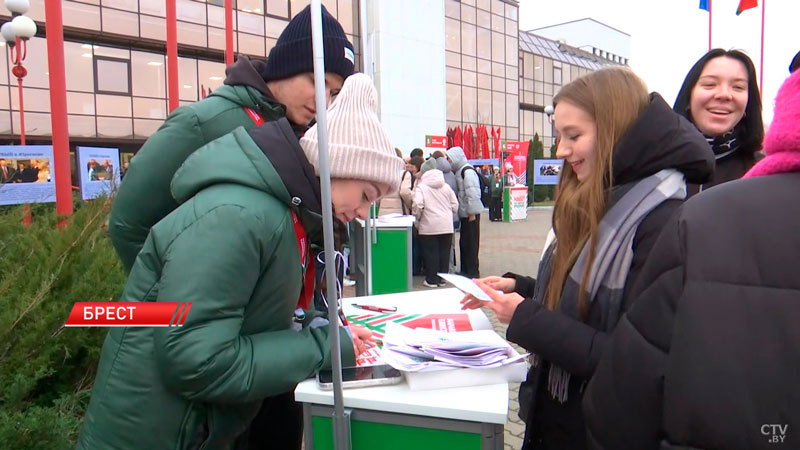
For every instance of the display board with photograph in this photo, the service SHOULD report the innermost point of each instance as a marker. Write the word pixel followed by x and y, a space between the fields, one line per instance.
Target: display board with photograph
pixel 546 171
pixel 99 171
pixel 26 174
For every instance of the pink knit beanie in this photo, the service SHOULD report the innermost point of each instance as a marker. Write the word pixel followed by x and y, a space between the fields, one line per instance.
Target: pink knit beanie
pixel 357 144
pixel 782 142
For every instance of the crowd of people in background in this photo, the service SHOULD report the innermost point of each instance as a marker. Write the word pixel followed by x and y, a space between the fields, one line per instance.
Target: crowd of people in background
pixel 653 322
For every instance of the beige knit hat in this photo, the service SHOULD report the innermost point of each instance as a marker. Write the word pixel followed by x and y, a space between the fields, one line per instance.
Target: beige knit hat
pixel 357 144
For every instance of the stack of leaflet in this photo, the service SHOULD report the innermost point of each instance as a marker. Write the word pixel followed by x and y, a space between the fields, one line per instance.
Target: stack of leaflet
pixel 434 359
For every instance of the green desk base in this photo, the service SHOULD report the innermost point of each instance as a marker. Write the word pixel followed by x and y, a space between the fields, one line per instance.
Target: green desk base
pixel 391 261
pixel 376 430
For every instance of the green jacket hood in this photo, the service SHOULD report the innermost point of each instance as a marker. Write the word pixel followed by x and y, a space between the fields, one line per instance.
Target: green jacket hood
pixel 268 158
pixel 233 159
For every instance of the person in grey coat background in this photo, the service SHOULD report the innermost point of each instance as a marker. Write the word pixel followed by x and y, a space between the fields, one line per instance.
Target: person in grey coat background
pixel 469 211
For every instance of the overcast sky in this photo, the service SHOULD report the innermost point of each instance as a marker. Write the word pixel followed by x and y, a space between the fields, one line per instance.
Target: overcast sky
pixel 668 36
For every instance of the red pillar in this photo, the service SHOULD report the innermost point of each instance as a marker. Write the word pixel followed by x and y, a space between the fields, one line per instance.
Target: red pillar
pixel 228 32
pixel 173 98
pixel 58 106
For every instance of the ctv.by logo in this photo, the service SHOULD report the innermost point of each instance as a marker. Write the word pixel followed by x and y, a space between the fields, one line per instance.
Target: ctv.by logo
pixel 775 432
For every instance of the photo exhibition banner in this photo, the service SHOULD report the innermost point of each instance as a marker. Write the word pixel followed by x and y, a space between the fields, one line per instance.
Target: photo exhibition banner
pixel 99 171
pixel 26 174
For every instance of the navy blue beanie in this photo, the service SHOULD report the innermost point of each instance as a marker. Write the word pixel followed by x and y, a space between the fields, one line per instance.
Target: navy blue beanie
pixel 293 52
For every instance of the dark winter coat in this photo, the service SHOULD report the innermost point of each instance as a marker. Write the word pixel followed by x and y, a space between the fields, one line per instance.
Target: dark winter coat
pixel 709 355
pixel 144 197
pixel 230 249
pixel 729 168
pixel 659 139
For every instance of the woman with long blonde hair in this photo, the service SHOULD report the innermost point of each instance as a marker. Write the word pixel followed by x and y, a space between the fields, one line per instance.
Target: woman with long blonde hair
pixel 627 159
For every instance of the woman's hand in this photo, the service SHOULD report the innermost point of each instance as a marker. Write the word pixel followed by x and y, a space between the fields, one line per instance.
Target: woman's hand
pixel 503 305
pixel 362 339
pixel 506 285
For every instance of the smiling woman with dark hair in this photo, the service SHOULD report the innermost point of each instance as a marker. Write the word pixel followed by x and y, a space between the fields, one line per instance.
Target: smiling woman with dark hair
pixel 720 97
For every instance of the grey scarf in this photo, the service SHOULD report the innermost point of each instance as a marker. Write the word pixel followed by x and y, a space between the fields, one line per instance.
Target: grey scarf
pixel 613 257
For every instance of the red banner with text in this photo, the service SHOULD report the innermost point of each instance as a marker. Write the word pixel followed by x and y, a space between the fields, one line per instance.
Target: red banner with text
pixel 131 314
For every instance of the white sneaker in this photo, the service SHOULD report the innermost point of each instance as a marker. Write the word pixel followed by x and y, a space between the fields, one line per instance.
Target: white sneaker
pixel 426 284
pixel 348 282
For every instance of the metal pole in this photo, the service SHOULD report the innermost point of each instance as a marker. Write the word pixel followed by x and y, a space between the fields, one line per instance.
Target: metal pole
pixel 366 63
pixel 58 107
pixel 18 63
pixel 228 32
pixel 761 69
pixel 341 429
pixel 709 24
pixel 172 56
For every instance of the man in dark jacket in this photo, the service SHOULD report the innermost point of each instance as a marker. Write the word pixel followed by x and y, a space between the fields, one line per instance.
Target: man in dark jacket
pixel 254 92
pixel 708 356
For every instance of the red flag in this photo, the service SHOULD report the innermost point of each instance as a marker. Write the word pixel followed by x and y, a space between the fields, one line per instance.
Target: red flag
pixel 468 147
pixel 457 137
pixel 745 5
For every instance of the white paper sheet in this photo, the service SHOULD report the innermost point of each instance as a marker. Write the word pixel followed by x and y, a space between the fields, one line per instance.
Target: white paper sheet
pixel 466 286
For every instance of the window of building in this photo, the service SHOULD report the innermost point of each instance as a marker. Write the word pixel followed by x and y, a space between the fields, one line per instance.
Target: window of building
pixel 153 7
pixel 250 23
pixel 251 6
pixel 127 5
pixel 347 16
pixel 278 8
pixel 483 19
pixel 274 27
pixel 484 106
pixel 511 12
pixel 112 75
pixel 452 9
pixel 80 68
pixel 453 75
pixel 469 63
pixel 452 59
pixel 86 17
pixel 113 105
pixel 120 22
pixel 484 43
pixel 149 75
pixel 187 79
pixel 512 110
pixel 484 4
pixel 557 75
pixel 468 14
pixel 498 109
pixel 469 104
pixel 452 33
pixel 498 47
pixel 453 102
pixel 468 38
pixel 468 78
pixel 80 103
pixel 498 23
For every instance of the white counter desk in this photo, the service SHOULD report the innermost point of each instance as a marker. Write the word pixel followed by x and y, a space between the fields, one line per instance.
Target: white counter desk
pixel 394 417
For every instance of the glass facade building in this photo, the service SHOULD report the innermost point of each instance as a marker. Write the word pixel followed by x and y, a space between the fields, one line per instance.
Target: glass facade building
pixel 116 66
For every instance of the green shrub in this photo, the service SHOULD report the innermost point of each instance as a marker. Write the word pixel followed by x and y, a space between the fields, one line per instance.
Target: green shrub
pixel 46 370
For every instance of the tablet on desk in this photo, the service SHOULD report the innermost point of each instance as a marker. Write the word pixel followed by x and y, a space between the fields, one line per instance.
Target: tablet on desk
pixel 364 376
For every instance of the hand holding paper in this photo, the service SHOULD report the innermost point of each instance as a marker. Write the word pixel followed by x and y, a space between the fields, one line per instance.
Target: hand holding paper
pixel 502 304
pixel 466 286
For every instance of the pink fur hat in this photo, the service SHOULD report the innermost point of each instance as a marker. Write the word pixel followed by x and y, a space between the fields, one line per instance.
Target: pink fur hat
pixel 782 142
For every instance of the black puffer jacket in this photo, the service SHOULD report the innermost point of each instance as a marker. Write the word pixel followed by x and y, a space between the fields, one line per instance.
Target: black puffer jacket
pixel 709 355
pixel 660 139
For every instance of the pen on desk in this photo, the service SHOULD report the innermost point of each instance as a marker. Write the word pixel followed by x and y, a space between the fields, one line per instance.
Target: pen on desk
pixel 375 308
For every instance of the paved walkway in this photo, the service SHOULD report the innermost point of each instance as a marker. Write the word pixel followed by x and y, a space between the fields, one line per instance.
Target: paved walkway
pixel 507 247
